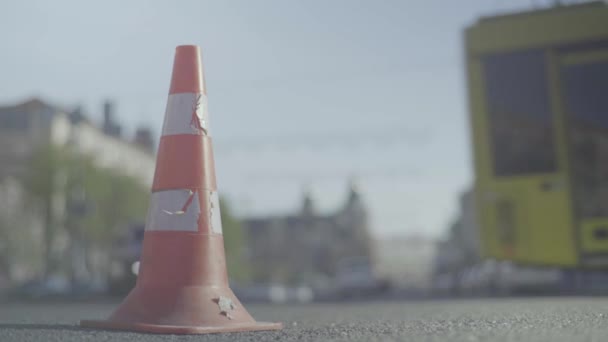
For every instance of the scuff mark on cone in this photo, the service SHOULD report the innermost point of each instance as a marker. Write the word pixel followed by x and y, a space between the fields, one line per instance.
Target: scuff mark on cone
pixel 226 305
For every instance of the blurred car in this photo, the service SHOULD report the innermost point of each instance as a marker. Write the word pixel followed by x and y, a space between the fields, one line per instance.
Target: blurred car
pixel 273 293
pixel 43 288
pixel 355 278
pixel 125 263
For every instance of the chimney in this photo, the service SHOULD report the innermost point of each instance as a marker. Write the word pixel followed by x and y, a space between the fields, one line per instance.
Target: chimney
pixel 143 138
pixel 108 109
pixel 110 127
pixel 76 115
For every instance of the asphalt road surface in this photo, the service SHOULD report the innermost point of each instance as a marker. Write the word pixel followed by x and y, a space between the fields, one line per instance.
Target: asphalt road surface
pixel 525 319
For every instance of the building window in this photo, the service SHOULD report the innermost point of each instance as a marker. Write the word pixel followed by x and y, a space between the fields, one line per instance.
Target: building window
pixel 13 121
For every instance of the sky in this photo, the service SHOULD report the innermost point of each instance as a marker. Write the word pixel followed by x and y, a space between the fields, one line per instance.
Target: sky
pixel 303 95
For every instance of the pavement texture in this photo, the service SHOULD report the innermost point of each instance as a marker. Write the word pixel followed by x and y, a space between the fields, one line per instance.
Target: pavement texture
pixel 526 319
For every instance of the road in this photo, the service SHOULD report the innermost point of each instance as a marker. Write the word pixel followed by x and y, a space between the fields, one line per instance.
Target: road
pixel 526 319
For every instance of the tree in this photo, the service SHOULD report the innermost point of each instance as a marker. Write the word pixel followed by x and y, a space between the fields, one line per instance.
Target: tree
pixel 82 200
pixel 43 183
pixel 17 233
pixel 117 199
pixel 90 204
pixel 111 201
pixel 234 244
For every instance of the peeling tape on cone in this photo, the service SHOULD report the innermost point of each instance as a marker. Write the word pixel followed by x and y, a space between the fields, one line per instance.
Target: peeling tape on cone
pixel 174 210
pixel 182 287
pixel 186 114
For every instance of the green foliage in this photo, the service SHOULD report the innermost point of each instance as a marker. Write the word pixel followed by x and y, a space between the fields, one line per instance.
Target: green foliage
pixel 42 171
pixel 100 201
pixel 110 198
pixel 42 182
pixel 97 201
pixel 114 200
pixel 15 237
pixel 234 244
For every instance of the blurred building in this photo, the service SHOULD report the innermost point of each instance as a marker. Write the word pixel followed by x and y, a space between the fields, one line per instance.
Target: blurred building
pixel 460 249
pixel 406 261
pixel 27 126
pixel 33 124
pixel 308 247
pixel 17 263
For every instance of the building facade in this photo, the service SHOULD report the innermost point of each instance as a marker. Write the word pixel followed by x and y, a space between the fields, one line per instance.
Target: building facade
pixel 27 127
pixel 307 247
pixel 406 261
pixel 460 249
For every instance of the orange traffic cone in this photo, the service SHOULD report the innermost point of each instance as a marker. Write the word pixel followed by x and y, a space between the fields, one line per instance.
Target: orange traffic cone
pixel 182 287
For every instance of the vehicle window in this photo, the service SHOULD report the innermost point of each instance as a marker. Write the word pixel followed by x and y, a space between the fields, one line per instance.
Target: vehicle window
pixel 521 124
pixel 585 91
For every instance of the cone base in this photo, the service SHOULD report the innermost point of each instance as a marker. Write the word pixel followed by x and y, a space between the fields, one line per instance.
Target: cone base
pixel 176 329
pixel 179 310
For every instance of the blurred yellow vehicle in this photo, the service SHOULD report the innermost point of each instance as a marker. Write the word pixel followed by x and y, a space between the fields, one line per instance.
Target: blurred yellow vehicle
pixel 538 95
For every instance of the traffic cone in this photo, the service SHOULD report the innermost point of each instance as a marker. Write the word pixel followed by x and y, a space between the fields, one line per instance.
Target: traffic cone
pixel 182 287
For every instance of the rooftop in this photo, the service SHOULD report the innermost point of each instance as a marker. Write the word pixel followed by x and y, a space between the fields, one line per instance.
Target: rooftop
pixel 545 10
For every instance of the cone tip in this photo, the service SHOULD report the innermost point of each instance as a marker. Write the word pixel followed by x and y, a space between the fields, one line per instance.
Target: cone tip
pixel 188 47
pixel 187 74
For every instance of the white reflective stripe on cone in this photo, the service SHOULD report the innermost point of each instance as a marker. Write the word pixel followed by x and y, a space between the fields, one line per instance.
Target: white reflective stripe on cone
pixel 214 212
pixel 186 113
pixel 174 210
